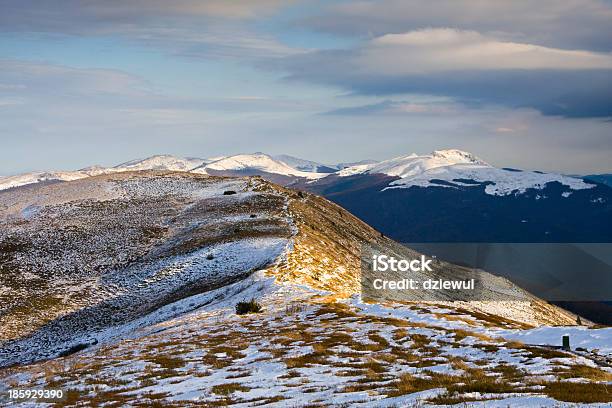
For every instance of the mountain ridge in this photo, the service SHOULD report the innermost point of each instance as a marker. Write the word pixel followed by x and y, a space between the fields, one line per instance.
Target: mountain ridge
pixel 88 272
pixel 122 289
pixel 448 168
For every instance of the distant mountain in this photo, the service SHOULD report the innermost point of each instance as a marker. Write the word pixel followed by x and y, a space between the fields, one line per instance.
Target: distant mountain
pixel 448 195
pixel 162 162
pixel 455 168
pixel 258 164
pixel 48 177
pixel 600 178
pixel 305 165
pixel 453 196
pixel 341 166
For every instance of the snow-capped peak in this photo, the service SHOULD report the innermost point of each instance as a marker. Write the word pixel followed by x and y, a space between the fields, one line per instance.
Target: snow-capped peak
pixel 162 162
pixel 441 168
pixel 412 165
pixel 304 165
pixel 456 168
pixel 256 162
pixel 456 156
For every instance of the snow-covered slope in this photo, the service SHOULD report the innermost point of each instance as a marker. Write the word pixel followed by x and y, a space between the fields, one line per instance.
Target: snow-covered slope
pixel 454 168
pixel 302 349
pixel 106 250
pixel 259 162
pixel 304 165
pixel 446 168
pixel 412 165
pixel 341 166
pixel 48 176
pixel 134 277
pixel 162 162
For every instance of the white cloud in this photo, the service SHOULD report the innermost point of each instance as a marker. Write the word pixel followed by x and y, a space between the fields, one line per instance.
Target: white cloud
pixel 435 50
pixel 582 24
pixel 28 78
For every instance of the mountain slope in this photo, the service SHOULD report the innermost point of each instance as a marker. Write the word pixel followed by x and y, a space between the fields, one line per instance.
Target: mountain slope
pixel 409 196
pixel 304 165
pixel 133 277
pixel 82 256
pixel 162 162
pixel 600 178
pixel 455 168
pixel 257 164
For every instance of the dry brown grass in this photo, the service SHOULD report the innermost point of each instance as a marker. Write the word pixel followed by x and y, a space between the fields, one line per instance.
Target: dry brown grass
pixel 229 388
pixel 409 383
pixel 453 399
pixel 461 334
pixel 579 392
pixel 215 361
pixel 167 362
pixel 583 371
pixel 419 341
pixel 491 320
pixel 306 360
pixel 514 344
pixel 546 353
pixel 290 374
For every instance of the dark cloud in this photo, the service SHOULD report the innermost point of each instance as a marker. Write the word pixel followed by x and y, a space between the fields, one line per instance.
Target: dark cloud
pixel 468 67
pixel 78 16
pixel 564 93
pixel 189 28
pixel 569 24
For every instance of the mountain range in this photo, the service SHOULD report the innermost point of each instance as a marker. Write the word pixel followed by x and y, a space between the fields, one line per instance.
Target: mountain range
pixel 442 168
pixel 445 196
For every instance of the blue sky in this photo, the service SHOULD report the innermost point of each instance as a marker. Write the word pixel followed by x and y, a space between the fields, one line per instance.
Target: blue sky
pixel 521 84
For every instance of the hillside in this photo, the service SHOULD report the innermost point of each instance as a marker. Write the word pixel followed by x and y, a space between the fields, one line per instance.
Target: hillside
pixel 133 278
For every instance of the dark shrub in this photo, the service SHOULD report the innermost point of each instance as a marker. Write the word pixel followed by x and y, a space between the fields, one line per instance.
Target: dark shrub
pixel 245 307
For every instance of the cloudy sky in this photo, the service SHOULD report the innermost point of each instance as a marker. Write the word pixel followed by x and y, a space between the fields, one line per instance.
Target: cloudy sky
pixel 519 83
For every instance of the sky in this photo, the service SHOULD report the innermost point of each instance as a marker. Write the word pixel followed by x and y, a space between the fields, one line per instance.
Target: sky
pixel 518 83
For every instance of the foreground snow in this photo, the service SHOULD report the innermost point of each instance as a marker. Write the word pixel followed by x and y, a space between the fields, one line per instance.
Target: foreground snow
pixel 303 349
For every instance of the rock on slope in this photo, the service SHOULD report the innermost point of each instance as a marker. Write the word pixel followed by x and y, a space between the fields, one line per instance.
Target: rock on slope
pixel 144 269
